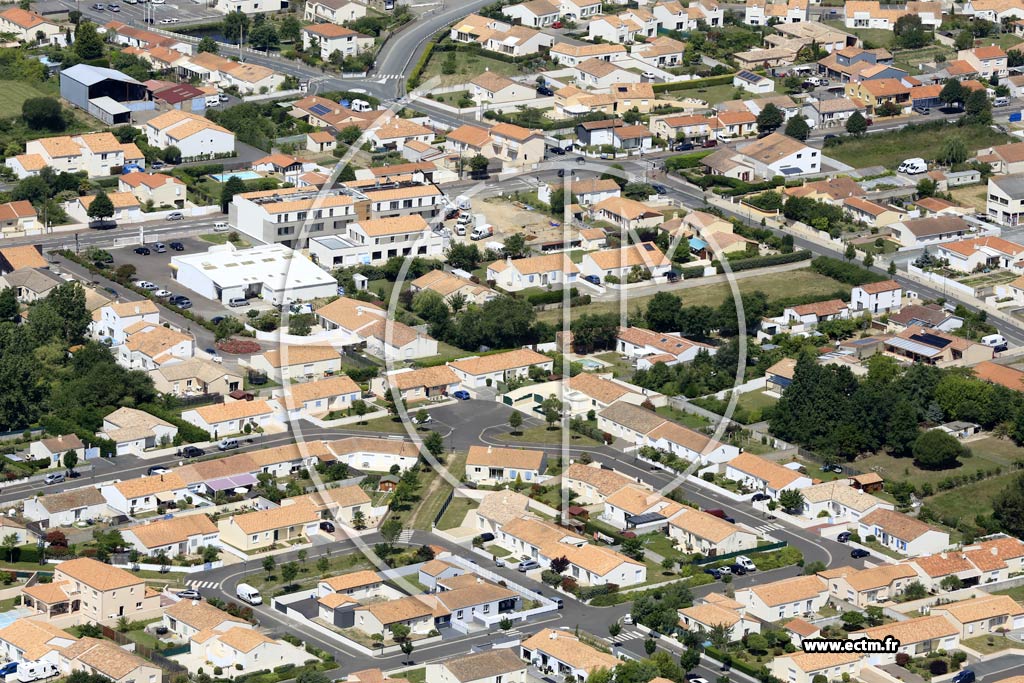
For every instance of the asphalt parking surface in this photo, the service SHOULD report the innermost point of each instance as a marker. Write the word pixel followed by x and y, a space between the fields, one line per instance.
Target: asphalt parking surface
pixel 185 11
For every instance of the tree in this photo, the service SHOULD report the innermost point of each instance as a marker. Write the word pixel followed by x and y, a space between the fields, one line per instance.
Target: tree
pixel 463 255
pixel 43 113
pixel 400 633
pixel 515 421
pixel 964 40
pixel 756 643
pixel 269 563
pixel 915 591
pixel 902 428
pixel 926 187
pixel 101 207
pixel 62 316
pixel 797 128
pixel 791 500
pixel 390 530
pixel 9 544
pixel 662 312
pixel 953 92
pixel 771 118
pixel 874 615
pixel 953 151
pixel 978 108
pixel 552 409
pixel 869 260
pixel 233 186
pixel 434 443
pixel 207 44
pixel 853 621
pixel 909 32
pixel 323 564
pixel 515 246
pixel 234 25
pixel 8 304
pixel 358 520
pixel 478 165
pixel 1008 507
pixel 851 252
pixel 360 409
pixel 856 125
pixel 937 450
pixel 88 44
pixel 889 108
pixel 290 29
pixel 70 460
pixel 264 36
pixel 289 571
pixel 650 646
pixel 633 548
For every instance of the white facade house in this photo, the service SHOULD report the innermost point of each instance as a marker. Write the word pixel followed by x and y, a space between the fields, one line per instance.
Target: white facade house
pixel 903 534
pixel 765 476
pixel 196 136
pixel 535 13
pixel 533 271
pixel 374 241
pixel 485 371
pixel 840 502
pixel 225 419
pixel 877 297
pixel 787 598
pixel 67 507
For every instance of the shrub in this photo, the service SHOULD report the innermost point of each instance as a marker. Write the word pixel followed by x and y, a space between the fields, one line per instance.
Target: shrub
pixel 846 272
pixel 238 346
pixel 938 667
pixel 902 659
pixel 765 261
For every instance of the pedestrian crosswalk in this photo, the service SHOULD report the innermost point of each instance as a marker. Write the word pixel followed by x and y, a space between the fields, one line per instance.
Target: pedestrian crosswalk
pixel 201 584
pixel 405 536
pixel 389 77
pixel 765 528
pixel 630 633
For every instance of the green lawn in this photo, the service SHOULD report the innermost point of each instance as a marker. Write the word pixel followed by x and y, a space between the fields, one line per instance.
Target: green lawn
pixel 433 491
pixel 222 237
pixel 415 675
pixel 621 369
pixel 989 644
pixel 785 285
pixel 755 402
pixel 1016 593
pixel 540 434
pixel 691 420
pixel 988 454
pixel 910 59
pixel 456 512
pixel 891 148
pixel 497 551
pixel 872 37
pixel 970 500
pixel 467 67
pixel 387 424
pixel 17 93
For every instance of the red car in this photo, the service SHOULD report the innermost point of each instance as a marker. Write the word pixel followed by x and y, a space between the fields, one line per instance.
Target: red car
pixel 557 24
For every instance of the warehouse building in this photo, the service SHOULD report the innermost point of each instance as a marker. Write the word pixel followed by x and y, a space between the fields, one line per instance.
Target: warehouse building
pixel 106 94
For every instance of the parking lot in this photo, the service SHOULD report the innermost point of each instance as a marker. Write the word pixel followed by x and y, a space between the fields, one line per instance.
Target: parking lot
pixel 156 268
pixel 139 14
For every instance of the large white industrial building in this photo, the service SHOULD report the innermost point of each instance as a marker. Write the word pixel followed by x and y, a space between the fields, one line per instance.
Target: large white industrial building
pixel 272 272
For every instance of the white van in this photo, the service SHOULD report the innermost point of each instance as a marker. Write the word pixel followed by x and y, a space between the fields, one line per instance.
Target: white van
pixel 913 166
pixel 220 226
pixel 248 594
pixel 1001 102
pixel 746 563
pixel 227 443
pixel 996 341
pixel 212 100
pixel 34 671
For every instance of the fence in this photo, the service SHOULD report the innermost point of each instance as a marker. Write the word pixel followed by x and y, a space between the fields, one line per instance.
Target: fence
pixel 728 556
pixel 170 668
pixel 444 506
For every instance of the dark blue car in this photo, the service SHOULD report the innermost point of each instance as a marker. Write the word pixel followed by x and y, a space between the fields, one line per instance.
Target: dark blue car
pixel 461 394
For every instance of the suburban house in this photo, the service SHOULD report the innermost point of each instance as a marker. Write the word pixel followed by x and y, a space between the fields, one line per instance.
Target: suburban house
pixel 91 589
pixel 864 587
pixel 67 507
pixel 186 618
pixel 334 38
pixel 1005 204
pixel 877 297
pixel 533 271
pixel 921 232
pixel 983 615
pixel 370 454
pixel 535 13
pixel 451 286
pixel 804 667
pixel 349 505
pixel 592 483
pixel 795 597
pixel 967 256
pixel 420 384
pixel 54 448
pixel 500 665
pixel 112 320
pixel 162 190
pixel 485 371
pixel 319 397
pixel 565 654
pixel 627 214
pixel 497 509
pixel 134 431
pixel 935 347
pixel 225 419
pixel 705 617
pixel 297 362
pixel 181 535
pixel 773 155
pixel 699 532
pixel 490 87
pixel 762 475
pixel 987 61
pixel 266 528
pixel 916 637
pixel 195 377
pixel 144 494
pixel 840 501
pixel 902 534
pixel 621 263
pixel 636 507
pixel 495 466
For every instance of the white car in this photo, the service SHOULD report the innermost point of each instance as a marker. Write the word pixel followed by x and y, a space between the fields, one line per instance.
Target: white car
pixel 162 293
pixel 425 420
pixel 145 284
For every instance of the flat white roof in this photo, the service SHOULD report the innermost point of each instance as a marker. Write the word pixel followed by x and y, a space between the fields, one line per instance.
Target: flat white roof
pixel 275 265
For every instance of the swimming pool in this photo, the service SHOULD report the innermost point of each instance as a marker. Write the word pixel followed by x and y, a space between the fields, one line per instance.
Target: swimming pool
pixel 241 175
pixel 11 616
pixel 589 364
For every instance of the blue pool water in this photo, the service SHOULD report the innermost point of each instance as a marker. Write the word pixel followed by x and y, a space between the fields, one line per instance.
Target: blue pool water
pixel 241 175
pixel 590 364
pixel 11 616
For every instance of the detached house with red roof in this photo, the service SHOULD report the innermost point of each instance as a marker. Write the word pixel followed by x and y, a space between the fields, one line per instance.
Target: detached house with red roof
pixel 162 190
pixel 966 256
pixel 988 61
pixel 807 316
pixel 765 476
pixel 648 347
pixel 877 297
pixel 27 26
pixel 903 534
pixel 334 38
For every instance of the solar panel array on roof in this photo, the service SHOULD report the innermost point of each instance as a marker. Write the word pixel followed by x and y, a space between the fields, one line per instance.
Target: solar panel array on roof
pixel 645 518
pixel 319 109
pixel 648 246
pixel 931 340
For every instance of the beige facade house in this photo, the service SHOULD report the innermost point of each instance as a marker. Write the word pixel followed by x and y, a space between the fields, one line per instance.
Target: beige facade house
pixel 181 535
pixel 494 466
pixel 162 190
pixel 186 618
pixel 297 362
pixel 344 504
pixel 225 419
pixel 33 640
pixel 917 637
pixel 803 667
pixel 319 397
pixel 480 371
pixel 983 615
pixel 698 531
pixel 592 483
pixel 105 658
pixel 565 654
pixel 134 430
pixel 707 616
pixel 865 587
pixel 533 271
pixel 499 665
pixel 415 611
pixel 783 599
pixel 94 590
pixel 266 528
pixel 194 377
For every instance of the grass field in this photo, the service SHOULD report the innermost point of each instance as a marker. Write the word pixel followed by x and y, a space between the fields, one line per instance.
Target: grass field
pixel 872 37
pixel 974 196
pixel 988 454
pixel 690 420
pixel 968 501
pixel 467 66
pixel 789 284
pixel 456 512
pixel 892 147
pixel 910 59
pixel 541 434
pixel 17 93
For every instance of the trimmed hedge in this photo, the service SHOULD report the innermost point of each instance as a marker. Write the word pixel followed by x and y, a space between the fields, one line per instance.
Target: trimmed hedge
pixel 691 272
pixel 696 84
pixel 844 271
pixel 553 296
pixel 416 74
pixel 682 161
pixel 734 663
pixel 765 261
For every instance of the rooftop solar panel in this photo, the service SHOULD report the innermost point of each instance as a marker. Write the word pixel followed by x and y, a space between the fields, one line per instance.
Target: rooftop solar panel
pixel 931 340
pixel 319 109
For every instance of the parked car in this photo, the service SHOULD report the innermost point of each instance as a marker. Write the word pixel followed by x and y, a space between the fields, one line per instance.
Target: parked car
pixel 146 284
pixel 143 251
pixel 758 497
pixel 159 247
pixel 592 279
pixel 843 537
pixel 117 8
pixel 177 246
pixel 461 394
pixel 683 147
pixel 858 553
pixel 527 564
pixel 190 594
pixel 831 136
pixel 737 569
pixel 327 526
pixel 710 143
pixel 175 216
pixel 714 572
pixel 545 91
pixel 557 24
pixel 672 276
pixel 157 469
pixel 660 189
pixel 99 7
pixel 9 669
pixel 53 478
pixel 191 452
pixel 217 319
pixel 965 676
pixel 425 420
pixel 746 563
pixel 486 537
pixel 162 293
pixel 627 619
